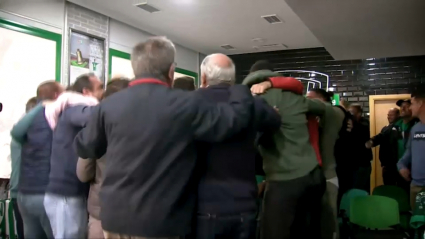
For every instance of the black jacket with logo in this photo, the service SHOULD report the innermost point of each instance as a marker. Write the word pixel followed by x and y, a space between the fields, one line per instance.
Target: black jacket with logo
pixel 147 135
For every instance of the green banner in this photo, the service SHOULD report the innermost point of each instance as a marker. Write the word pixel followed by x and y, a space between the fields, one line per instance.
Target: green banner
pixel 335 99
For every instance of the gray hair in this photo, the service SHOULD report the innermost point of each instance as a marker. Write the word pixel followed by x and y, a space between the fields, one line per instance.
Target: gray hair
pixel 217 73
pixel 154 56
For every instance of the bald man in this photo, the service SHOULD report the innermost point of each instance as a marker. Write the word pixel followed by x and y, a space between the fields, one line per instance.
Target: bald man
pixel 387 139
pixel 227 191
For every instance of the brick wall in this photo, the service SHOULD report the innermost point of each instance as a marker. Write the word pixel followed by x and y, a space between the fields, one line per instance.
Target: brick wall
pixel 354 80
pixel 88 21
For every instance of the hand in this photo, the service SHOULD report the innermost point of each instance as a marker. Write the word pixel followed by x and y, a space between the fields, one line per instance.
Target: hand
pixel 261 87
pixel 261 188
pixel 47 102
pixel 349 125
pixel 369 144
pixel 405 173
pixel 276 109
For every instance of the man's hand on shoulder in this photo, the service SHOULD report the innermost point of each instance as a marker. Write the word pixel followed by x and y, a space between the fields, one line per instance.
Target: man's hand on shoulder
pixel 261 88
pixel 47 102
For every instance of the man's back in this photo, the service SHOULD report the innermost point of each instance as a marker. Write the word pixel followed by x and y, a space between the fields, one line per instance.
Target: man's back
pixel 35 164
pixel 330 125
pixel 146 134
pixel 360 155
pixel 291 155
pixel 227 169
pixel 63 176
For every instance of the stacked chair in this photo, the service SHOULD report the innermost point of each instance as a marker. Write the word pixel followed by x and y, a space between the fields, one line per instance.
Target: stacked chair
pixel 344 211
pixel 378 216
pixel 400 195
pixel 375 217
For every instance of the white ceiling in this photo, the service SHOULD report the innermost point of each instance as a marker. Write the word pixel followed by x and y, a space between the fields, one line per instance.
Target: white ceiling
pixel 365 29
pixel 205 25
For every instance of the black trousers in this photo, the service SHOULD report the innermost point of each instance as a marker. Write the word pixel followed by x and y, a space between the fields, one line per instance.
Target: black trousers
pixel 233 226
pixel 390 175
pixel 346 177
pixel 362 178
pixel 292 209
pixel 18 218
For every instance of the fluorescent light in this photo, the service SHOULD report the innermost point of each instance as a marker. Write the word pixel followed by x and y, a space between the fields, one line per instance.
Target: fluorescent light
pixel 331 89
pixel 370 59
pixel 371 64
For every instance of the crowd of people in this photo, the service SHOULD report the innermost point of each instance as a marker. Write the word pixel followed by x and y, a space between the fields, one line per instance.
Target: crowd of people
pixel 154 158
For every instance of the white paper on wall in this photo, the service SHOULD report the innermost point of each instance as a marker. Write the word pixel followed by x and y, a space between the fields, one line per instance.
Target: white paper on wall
pixel 25 62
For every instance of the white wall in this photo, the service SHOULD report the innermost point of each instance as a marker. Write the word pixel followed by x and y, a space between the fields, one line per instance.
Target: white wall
pixel 123 37
pixel 48 14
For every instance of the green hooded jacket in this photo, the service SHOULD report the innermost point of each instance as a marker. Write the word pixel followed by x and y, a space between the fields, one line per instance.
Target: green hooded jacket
pixel 288 153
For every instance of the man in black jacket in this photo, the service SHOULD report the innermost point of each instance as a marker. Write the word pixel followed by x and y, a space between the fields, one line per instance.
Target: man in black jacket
pixel 147 134
pixel 387 140
pixel 393 142
pixel 227 191
pixel 360 155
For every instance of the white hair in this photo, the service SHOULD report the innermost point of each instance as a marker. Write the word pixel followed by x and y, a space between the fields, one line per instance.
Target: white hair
pixel 215 73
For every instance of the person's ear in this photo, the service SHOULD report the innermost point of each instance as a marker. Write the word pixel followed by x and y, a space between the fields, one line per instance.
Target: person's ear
pixel 86 92
pixel 171 74
pixel 203 81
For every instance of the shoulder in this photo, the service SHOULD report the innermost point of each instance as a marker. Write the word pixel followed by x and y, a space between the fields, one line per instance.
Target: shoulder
pixel 182 103
pixel 418 127
pixel 338 112
pixel 364 122
pixel 74 108
pixel 78 110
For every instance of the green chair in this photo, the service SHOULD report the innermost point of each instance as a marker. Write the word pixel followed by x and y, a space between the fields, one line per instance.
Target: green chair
pixel 344 210
pixel 396 193
pixel 401 197
pixel 344 207
pixel 374 212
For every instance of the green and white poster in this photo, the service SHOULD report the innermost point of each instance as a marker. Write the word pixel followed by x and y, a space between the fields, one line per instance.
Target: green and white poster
pixel 86 56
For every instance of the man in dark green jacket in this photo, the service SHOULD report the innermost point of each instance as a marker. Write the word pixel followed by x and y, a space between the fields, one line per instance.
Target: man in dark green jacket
pixel 295 181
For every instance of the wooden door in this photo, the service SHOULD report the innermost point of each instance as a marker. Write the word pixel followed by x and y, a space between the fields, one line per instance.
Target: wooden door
pixel 379 106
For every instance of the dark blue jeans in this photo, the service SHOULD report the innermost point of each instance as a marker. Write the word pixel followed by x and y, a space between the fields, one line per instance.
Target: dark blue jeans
pixel 34 217
pixel 238 226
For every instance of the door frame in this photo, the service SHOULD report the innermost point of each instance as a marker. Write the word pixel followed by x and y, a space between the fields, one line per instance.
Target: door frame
pixel 372 99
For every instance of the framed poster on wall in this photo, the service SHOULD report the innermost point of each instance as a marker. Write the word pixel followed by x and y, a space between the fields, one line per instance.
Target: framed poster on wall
pixel 86 54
